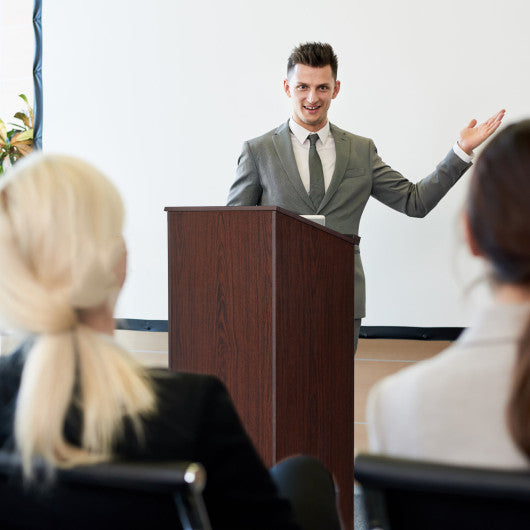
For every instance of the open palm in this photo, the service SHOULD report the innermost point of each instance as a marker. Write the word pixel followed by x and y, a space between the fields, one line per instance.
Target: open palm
pixel 472 135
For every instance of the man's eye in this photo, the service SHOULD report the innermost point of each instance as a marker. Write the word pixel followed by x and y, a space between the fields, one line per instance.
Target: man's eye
pixel 324 88
pixel 302 87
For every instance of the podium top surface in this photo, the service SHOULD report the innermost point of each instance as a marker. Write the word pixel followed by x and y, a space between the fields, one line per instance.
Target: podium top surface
pixel 350 238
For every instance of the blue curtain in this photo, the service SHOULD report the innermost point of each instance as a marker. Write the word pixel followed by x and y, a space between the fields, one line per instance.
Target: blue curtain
pixel 37 75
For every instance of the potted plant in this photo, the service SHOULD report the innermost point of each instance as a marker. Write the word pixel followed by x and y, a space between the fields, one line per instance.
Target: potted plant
pixel 18 141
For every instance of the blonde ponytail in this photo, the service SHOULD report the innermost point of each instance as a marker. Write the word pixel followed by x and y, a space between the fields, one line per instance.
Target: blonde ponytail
pixel 112 386
pixel 43 399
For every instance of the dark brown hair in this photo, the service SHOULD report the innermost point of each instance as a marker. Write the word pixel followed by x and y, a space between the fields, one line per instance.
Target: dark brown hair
pixel 498 209
pixel 316 54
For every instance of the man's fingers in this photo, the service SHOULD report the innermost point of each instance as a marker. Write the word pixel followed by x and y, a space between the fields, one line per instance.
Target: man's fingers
pixel 484 130
pixel 499 116
pixel 493 123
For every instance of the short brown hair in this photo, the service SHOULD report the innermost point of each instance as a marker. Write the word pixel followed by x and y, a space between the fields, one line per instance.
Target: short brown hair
pixel 316 54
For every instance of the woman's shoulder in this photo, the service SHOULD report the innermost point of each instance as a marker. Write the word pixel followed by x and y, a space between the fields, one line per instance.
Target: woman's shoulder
pixel 184 383
pixel 195 399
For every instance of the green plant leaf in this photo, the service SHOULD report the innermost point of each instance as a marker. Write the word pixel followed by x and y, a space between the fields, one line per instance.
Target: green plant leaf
pixel 18 140
pixel 23 117
pixel 22 136
pixel 30 110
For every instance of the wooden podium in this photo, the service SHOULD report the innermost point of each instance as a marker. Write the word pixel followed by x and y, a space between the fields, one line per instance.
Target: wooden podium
pixel 263 299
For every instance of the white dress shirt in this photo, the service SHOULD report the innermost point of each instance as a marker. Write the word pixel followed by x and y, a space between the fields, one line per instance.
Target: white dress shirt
pixel 326 150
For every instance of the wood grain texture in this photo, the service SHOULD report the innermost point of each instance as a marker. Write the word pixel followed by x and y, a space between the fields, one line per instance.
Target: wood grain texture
pixel 220 309
pixel 263 299
pixel 314 348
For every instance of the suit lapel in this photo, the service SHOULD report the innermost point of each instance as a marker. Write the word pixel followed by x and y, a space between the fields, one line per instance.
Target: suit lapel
pixel 284 149
pixel 342 149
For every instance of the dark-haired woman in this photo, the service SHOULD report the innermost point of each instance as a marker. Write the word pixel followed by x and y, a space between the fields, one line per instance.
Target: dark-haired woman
pixel 470 405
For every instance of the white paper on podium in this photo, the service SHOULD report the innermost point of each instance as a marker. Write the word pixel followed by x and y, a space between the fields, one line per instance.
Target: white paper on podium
pixel 320 219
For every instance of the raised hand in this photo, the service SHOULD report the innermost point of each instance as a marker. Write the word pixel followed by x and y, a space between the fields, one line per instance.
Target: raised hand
pixel 472 135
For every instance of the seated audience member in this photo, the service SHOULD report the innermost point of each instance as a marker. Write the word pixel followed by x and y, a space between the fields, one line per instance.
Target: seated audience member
pixel 70 394
pixel 470 405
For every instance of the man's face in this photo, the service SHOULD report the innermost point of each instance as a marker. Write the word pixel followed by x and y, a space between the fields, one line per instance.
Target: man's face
pixel 311 90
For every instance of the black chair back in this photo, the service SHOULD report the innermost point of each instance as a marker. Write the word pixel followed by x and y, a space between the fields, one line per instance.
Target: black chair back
pixel 413 495
pixel 308 485
pixel 131 495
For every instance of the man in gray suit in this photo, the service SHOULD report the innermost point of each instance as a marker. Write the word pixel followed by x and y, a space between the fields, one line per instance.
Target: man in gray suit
pixel 333 174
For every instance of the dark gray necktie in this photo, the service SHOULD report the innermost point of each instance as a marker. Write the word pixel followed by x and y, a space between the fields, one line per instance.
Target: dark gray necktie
pixel 316 173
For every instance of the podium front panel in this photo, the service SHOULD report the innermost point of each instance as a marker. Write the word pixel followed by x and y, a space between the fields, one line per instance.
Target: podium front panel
pixel 220 308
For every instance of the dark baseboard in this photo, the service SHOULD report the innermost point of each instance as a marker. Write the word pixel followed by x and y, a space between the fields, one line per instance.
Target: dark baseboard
pixel 367 332
pixel 135 324
pixel 409 333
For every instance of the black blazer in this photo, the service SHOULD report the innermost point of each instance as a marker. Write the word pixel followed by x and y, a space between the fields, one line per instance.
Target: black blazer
pixel 195 421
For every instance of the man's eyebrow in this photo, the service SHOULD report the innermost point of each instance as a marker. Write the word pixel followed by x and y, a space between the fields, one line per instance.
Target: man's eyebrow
pixel 300 83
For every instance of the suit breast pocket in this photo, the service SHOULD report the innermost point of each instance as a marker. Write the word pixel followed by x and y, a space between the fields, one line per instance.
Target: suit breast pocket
pixel 354 172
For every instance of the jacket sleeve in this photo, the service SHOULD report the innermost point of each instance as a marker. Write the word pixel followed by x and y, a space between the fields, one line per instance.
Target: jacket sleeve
pixel 414 199
pixel 246 189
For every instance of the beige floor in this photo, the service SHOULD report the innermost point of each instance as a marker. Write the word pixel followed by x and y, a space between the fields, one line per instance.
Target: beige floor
pixel 149 347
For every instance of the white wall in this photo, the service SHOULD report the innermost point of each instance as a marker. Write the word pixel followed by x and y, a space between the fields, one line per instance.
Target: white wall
pixel 17 49
pixel 161 94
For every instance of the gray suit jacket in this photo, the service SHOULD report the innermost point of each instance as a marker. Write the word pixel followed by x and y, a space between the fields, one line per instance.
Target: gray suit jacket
pixel 267 174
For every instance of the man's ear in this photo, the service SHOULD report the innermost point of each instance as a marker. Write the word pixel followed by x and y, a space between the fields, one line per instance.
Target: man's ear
pixel 286 87
pixel 336 89
pixel 470 240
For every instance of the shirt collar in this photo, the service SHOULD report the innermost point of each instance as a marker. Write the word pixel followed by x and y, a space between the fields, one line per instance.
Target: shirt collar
pixel 497 321
pixel 301 133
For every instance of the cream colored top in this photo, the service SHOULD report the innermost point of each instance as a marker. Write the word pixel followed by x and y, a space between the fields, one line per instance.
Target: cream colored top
pixel 451 408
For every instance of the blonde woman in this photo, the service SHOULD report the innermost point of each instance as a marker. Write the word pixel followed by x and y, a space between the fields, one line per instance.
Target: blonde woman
pixel 70 394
